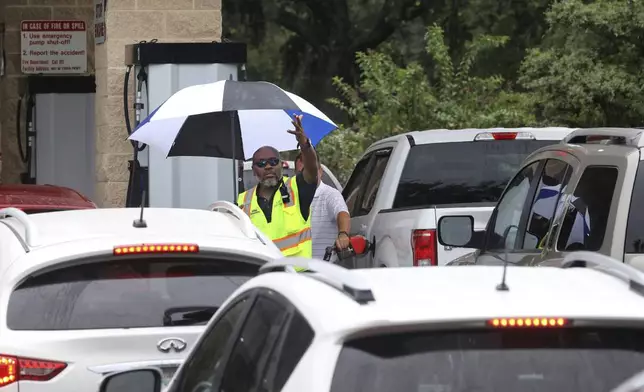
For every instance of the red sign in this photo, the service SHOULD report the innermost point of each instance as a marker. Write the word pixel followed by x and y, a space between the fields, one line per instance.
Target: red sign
pixel 57 25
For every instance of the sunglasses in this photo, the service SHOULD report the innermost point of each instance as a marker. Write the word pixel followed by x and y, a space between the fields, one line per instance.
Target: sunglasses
pixel 270 161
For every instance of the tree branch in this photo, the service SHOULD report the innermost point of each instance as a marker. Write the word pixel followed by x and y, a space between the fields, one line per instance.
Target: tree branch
pixel 390 18
pixel 295 24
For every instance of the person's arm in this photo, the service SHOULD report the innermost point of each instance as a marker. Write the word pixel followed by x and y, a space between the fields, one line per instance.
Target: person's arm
pixel 306 193
pixel 340 211
pixel 309 159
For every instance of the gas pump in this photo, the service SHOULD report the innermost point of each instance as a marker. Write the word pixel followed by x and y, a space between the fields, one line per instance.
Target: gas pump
pixel 54 131
pixel 26 154
pixel 162 69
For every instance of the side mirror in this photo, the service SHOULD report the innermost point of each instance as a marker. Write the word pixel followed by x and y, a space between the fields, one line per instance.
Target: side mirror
pixel 456 231
pixel 136 380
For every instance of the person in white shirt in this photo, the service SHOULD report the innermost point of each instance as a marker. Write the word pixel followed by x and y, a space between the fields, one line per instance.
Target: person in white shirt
pixel 330 220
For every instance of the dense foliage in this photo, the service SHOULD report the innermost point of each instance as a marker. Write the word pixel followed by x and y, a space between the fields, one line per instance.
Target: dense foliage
pixel 390 100
pixel 376 67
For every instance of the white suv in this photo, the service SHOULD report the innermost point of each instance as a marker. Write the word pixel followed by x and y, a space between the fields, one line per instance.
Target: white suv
pixel 86 293
pixel 427 330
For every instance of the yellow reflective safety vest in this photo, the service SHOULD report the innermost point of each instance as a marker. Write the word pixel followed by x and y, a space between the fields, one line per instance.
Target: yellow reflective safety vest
pixel 288 229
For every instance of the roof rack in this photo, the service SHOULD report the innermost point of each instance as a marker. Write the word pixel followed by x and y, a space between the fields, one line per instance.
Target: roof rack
pixel 338 277
pixel 632 137
pixel 608 265
pixel 229 208
pixel 31 232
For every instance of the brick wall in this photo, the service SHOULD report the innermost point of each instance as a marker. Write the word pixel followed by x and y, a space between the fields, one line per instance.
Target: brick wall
pixel 128 21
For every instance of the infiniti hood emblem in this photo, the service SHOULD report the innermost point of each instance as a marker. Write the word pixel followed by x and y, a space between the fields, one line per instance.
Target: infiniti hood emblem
pixel 172 344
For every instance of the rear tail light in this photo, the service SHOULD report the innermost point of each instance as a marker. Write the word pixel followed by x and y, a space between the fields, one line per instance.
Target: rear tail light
pixel 423 243
pixel 14 369
pixel 528 322
pixel 155 248
pixel 504 136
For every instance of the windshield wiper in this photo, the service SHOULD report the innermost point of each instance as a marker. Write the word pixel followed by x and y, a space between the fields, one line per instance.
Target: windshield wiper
pixel 192 315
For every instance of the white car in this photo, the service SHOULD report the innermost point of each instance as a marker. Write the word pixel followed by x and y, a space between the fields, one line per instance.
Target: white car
pixel 86 293
pixel 409 329
pixel 288 169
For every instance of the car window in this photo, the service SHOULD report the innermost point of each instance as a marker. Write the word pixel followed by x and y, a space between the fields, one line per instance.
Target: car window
pixel 437 174
pixel 635 226
pixel 554 178
pixel 586 214
pixel 134 293
pixel 510 208
pixel 492 360
pixel 293 343
pixel 354 185
pixel 245 368
pixel 375 177
pixel 201 367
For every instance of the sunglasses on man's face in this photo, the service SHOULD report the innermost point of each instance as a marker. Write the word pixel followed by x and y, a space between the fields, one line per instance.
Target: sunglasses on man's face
pixel 270 161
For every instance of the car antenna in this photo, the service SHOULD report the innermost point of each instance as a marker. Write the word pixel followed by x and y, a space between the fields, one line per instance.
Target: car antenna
pixel 140 223
pixel 503 286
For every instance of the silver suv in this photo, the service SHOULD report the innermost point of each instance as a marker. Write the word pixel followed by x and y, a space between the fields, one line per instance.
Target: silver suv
pixel 585 193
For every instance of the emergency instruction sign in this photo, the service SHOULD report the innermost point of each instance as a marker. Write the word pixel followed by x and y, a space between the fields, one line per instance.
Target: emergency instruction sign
pixel 53 46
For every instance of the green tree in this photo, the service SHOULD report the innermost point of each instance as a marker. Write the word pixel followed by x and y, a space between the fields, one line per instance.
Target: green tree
pixel 302 44
pixel 589 70
pixel 391 100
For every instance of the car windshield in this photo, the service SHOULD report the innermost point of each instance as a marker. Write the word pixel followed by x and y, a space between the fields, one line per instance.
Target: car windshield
pixel 134 293
pixel 437 174
pixel 553 360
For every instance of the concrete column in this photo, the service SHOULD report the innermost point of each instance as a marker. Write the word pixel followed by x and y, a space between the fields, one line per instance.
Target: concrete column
pixel 12 84
pixel 127 22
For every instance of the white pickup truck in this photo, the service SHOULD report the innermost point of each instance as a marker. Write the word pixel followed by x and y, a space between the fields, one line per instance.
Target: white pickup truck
pixel 403 184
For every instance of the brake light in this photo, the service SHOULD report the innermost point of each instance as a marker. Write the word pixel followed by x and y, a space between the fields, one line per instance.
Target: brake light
pixel 14 369
pixel 504 136
pixel 152 275
pixel 528 322
pixel 155 248
pixel 423 243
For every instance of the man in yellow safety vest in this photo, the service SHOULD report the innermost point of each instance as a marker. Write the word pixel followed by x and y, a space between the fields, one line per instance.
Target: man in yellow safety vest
pixel 280 206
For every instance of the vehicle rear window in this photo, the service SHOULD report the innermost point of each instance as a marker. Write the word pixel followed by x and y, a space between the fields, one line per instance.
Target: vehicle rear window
pixel 553 360
pixel 635 225
pixel 461 173
pixel 134 293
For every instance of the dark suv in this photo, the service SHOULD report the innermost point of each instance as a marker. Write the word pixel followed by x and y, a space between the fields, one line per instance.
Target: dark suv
pixel 585 193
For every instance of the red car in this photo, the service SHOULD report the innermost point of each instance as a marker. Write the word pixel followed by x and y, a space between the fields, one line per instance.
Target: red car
pixel 42 198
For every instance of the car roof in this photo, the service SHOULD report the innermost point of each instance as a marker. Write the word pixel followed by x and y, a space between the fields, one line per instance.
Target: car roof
pixel 415 296
pixel 79 234
pixel 468 134
pixel 587 152
pixel 80 225
pixel 42 197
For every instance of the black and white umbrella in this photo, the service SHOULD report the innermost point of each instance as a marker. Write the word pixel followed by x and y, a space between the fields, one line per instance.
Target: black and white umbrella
pixel 209 119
